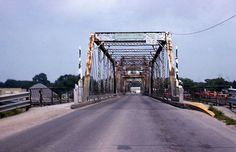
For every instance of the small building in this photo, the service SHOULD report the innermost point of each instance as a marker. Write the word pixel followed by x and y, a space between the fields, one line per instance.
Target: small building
pixel 38 91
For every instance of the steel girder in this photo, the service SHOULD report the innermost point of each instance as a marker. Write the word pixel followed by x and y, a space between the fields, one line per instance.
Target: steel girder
pixel 139 50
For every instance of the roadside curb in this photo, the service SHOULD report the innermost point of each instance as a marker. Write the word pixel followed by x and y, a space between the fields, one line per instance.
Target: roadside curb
pixel 188 105
pixel 200 107
pixel 83 104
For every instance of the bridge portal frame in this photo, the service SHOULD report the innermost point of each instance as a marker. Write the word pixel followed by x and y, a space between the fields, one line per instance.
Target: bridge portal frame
pixel 104 40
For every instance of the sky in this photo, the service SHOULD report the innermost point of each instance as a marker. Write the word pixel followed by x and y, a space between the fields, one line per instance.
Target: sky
pixel 44 35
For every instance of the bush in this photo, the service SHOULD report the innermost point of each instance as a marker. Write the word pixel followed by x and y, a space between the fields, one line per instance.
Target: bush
pixel 11 113
pixel 220 116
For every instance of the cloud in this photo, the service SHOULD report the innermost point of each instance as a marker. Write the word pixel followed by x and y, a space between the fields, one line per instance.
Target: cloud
pixel 53 29
pixel 80 8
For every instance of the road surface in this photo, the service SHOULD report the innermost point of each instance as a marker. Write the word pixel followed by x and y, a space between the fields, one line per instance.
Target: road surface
pixel 131 123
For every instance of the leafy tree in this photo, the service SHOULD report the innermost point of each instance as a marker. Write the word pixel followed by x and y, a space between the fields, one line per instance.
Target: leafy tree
pixel 26 84
pixel 10 83
pixel 188 84
pixel 1 85
pixel 66 81
pixel 217 84
pixel 41 78
pixel 233 84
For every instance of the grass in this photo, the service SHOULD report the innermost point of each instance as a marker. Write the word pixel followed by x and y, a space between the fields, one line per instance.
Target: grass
pixel 11 113
pixel 220 116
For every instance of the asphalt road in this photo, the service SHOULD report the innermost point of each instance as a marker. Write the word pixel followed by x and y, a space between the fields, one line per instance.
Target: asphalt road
pixel 129 123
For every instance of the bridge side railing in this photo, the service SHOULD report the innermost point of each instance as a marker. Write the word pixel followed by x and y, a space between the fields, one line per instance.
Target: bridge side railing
pixel 99 81
pixel 15 101
pixel 164 79
pixel 97 98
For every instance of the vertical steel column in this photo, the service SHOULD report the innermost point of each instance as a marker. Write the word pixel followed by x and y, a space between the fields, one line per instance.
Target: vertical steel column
pixel 114 77
pixel 108 76
pixel 170 65
pixel 103 73
pixel 99 71
pixel 88 67
pixel 117 77
pixel 151 79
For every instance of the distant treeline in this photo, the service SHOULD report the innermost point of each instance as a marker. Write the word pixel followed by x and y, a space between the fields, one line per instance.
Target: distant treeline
pixel 215 84
pixel 65 81
pixel 68 81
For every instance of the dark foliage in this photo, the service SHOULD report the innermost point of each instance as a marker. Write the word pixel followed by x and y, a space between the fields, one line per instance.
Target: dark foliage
pixel 41 78
pixel 66 81
pixel 10 83
pixel 216 84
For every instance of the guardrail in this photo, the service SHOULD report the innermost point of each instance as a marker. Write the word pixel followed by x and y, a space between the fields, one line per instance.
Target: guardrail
pixel 14 101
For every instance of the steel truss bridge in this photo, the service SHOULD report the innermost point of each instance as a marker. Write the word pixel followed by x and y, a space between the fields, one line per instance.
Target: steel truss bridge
pixel 115 60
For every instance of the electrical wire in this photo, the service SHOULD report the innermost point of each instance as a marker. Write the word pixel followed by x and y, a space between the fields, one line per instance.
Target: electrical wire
pixel 206 29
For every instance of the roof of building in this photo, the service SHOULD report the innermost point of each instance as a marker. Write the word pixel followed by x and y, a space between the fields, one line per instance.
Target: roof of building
pixel 38 85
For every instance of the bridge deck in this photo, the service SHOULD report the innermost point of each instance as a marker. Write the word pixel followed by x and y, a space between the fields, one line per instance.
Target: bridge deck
pixel 132 123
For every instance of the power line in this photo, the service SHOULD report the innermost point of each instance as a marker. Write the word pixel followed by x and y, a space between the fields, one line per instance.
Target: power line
pixel 206 29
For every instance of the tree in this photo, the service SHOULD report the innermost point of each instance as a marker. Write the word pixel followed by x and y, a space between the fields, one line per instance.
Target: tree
pixel 217 84
pixel 233 84
pixel 10 83
pixel 66 81
pixel 1 84
pixel 188 84
pixel 41 78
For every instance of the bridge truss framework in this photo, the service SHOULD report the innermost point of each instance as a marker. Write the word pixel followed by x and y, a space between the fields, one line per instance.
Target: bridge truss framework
pixel 116 59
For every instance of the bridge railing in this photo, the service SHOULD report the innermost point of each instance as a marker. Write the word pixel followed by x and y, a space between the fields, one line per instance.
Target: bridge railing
pixel 14 101
pixel 100 72
pixel 97 98
pixel 164 83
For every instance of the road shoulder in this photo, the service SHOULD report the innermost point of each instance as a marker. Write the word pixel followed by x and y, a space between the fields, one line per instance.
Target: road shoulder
pixel 35 116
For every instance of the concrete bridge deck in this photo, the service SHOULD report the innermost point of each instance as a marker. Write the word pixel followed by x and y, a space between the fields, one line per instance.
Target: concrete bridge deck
pixel 129 123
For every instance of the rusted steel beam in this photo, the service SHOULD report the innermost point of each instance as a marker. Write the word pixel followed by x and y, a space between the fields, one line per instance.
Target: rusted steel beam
pixel 132 55
pixel 88 66
pixel 170 65
pixel 131 49
pixel 129 32
pixel 104 50
pixel 114 75
pixel 160 48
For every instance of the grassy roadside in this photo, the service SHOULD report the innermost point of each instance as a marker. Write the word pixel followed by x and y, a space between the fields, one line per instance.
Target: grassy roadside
pixel 11 113
pixel 220 116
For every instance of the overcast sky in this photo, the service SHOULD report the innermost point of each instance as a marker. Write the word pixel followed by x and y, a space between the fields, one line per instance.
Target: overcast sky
pixel 44 35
